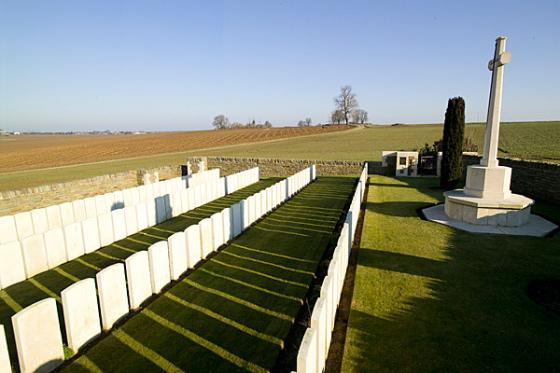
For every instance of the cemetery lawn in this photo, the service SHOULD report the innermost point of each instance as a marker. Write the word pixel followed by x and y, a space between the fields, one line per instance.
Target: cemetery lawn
pixel 431 298
pixel 51 283
pixel 233 312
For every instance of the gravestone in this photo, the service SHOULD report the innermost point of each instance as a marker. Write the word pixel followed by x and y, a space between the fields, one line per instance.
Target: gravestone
pixel 5 365
pixel 227 224
pixel 192 198
pixel 38 337
pixel 206 241
pixel 34 255
pixel 158 255
pixel 79 208
pixel 40 222
pixel 24 224
pixel 217 230
pixel 81 313
pixel 118 200
pixel 90 232
pixel 91 209
pixel 307 357
pixel 55 248
pixel 141 216
pixel 101 205
pixel 326 294
pixel 109 201
pixel 244 214
pixel 176 204
pixel 74 241
pixel 8 232
pixel 105 225
pixel 194 248
pixel 113 301
pixel 178 259
pixel 161 208
pixel 151 212
pixel 66 213
pixel 237 219
pixel 138 278
pixel 127 197
pixel 184 201
pixel 131 220
pixel 12 267
pixel 119 224
pixel 54 217
pixel 319 323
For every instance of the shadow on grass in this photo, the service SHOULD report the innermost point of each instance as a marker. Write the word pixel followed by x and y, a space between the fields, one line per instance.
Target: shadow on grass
pixel 431 298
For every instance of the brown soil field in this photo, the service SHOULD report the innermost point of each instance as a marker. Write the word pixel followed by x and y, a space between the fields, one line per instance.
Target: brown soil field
pixel 27 152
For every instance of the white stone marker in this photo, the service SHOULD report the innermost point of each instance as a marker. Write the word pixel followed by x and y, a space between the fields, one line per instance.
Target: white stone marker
pixel 194 249
pixel 91 209
pixel 79 208
pixel 192 198
pixel 24 224
pixel 184 201
pixel 319 323
pixel 151 212
pixel 138 278
pixel 55 248
pixel 38 337
pixel 131 220
pixel 236 219
pixel 54 217
pixel 74 241
pixel 119 224
pixel 178 259
pixel 66 213
pixel 176 204
pixel 12 267
pixel 105 225
pixel 227 224
pixel 307 354
pixel 101 204
pixel 81 313
pixel 217 230
pixel 113 301
pixel 206 241
pixel 118 200
pixel 141 216
pixel 158 255
pixel 5 365
pixel 90 232
pixel 40 222
pixel 161 209
pixel 326 294
pixel 8 232
pixel 34 255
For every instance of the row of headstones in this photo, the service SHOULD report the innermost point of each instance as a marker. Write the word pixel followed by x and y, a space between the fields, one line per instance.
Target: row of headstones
pixel 22 259
pixel 316 341
pixel 240 180
pixel 90 306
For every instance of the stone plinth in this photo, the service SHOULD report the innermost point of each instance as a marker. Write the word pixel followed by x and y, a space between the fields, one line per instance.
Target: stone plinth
pixel 488 182
pixel 512 211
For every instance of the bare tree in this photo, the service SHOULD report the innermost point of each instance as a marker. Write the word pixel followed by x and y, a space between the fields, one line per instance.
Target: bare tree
pixel 308 121
pixel 267 124
pixel 220 122
pixel 359 116
pixel 302 123
pixel 346 102
pixel 337 117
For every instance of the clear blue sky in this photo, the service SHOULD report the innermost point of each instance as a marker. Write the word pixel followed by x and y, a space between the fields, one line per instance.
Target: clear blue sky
pixel 169 65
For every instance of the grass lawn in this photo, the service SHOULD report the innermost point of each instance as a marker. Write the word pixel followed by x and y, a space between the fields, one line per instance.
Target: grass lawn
pixel 52 282
pixel 431 298
pixel 234 312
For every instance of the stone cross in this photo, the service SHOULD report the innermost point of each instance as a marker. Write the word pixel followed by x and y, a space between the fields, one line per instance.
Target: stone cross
pixel 496 65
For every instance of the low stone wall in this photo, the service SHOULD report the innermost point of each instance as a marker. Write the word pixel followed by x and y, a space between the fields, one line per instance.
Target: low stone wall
pixel 538 180
pixel 280 167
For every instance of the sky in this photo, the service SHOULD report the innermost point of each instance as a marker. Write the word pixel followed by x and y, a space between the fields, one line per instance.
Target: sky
pixel 174 65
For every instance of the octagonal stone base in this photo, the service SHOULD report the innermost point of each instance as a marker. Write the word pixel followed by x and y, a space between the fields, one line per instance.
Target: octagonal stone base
pixel 513 211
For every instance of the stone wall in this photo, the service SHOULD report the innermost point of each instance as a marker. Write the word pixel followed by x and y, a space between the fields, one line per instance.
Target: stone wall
pixel 538 180
pixel 280 167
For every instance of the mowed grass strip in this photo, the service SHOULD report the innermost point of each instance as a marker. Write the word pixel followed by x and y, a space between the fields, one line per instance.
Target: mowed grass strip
pixel 432 298
pixel 232 317
pixel 51 283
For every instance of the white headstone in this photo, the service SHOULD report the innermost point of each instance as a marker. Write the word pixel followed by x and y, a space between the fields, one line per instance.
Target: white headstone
pixel 319 323
pixel 119 224
pixel 307 357
pixel 138 278
pixel 217 230
pixel 159 266
pixel 8 232
pixel 236 219
pixel 105 225
pixel 131 220
pixel 141 216
pixel 40 222
pixel 5 365
pixel 74 241
pixel 34 255
pixel 91 209
pixel 101 204
pixel 79 208
pixel 178 260
pixel 55 247
pixel 81 313
pixel 206 241
pixel 191 197
pixel 66 213
pixel 184 201
pixel 161 208
pixel 245 223
pixel 113 301
pixel 118 200
pixel 38 338
pixel 227 224
pixel 24 224
pixel 194 249
pixel 128 199
pixel 90 232
pixel 12 267
pixel 151 212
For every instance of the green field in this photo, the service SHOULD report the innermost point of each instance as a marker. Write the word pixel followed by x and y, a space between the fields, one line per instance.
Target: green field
pixel 528 140
pixel 428 297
